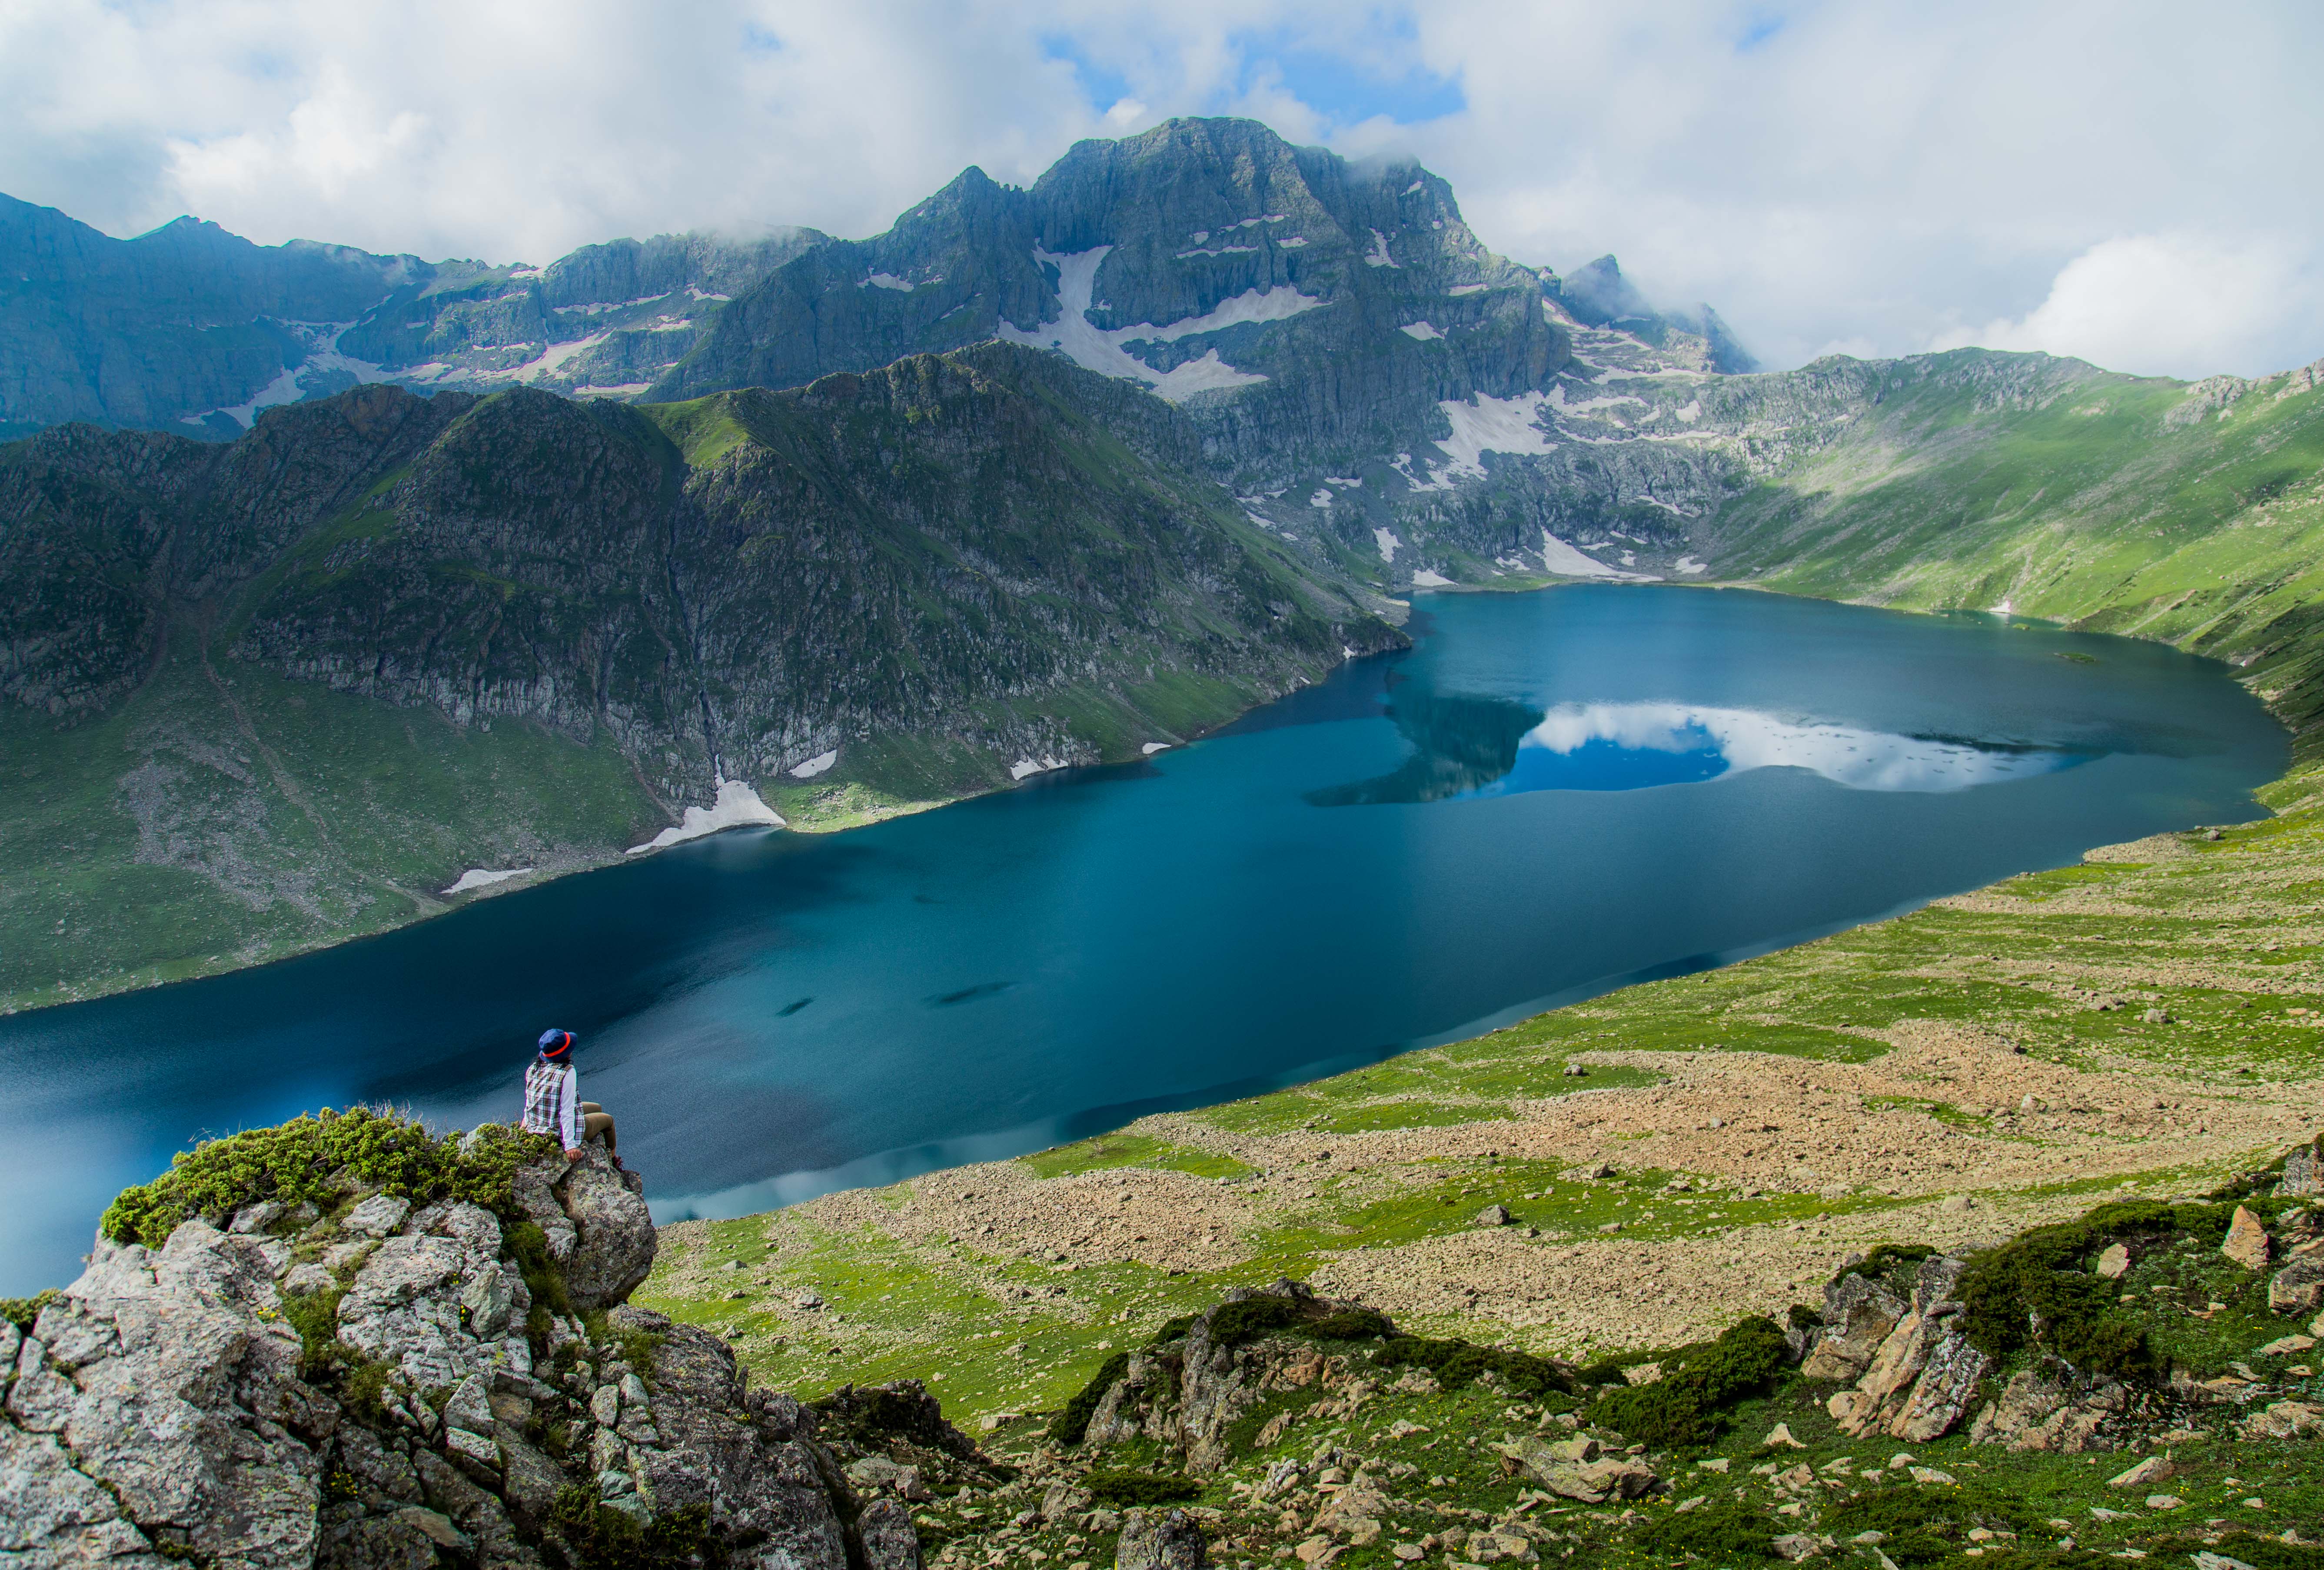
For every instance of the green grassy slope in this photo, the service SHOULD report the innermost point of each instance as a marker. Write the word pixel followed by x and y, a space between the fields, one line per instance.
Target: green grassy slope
pixel 2118 503
pixel 225 816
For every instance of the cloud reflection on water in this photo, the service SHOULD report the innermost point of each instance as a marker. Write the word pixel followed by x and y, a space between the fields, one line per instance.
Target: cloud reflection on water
pixel 1641 737
pixel 1468 747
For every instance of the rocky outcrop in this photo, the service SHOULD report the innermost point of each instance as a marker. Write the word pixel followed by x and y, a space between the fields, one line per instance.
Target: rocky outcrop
pixel 388 1385
pixel 1918 1374
pixel 2049 1407
pixel 1187 1392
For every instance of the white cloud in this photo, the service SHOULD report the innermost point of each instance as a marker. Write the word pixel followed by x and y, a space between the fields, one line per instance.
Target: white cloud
pixel 2166 304
pixel 1879 173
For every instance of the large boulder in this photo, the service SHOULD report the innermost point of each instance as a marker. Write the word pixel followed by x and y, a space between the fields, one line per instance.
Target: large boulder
pixel 747 1456
pixel 614 1233
pixel 1161 1540
pixel 2299 1287
pixel 166 1376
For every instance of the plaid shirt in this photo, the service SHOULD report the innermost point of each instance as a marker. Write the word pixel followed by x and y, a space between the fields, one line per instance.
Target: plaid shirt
pixel 552 1101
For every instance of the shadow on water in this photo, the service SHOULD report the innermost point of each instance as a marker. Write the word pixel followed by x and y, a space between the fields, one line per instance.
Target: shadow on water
pixel 1459 744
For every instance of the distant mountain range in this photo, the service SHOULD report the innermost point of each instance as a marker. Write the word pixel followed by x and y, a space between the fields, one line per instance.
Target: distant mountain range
pixel 1039 476
pixel 1214 235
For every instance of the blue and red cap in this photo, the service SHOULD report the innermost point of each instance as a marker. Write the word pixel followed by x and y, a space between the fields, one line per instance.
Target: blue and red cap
pixel 557 1046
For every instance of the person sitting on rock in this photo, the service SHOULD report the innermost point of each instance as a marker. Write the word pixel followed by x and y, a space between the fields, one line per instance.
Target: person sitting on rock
pixel 553 1104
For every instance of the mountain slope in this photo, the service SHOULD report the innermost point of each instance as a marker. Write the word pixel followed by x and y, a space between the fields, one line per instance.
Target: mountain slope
pixel 1292 302
pixel 272 695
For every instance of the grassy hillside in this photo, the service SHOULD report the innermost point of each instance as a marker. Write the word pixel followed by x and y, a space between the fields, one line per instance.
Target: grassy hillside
pixel 2122 504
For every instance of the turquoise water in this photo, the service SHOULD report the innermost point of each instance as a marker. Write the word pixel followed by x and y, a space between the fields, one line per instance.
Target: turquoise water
pixel 1552 793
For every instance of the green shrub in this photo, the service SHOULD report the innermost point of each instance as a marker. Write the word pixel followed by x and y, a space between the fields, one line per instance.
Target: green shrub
pixel 2037 1291
pixel 530 1245
pixel 1726 1531
pixel 364 1385
pixel 1684 1407
pixel 1888 1260
pixel 1458 1363
pixel 1348 1325
pixel 1071 1424
pixel 1172 1330
pixel 598 1537
pixel 22 1312
pixel 316 1317
pixel 1125 1488
pixel 308 1160
pixel 1233 1324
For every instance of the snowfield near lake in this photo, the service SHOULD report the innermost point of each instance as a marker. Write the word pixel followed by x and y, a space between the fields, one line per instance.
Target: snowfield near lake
pixel 480 877
pixel 815 764
pixel 738 806
pixel 1557 556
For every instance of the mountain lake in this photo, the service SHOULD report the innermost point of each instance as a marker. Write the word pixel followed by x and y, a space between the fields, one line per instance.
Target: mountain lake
pixel 1553 793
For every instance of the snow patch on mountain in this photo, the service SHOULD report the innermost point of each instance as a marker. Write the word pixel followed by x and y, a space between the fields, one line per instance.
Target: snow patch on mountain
pixel 1559 558
pixel 1099 349
pixel 1491 425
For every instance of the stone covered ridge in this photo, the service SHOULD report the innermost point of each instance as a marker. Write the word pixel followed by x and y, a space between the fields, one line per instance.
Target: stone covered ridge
pixel 376 1384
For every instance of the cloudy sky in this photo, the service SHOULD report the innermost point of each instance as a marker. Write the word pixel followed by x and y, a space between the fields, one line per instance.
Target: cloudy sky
pixel 2133 183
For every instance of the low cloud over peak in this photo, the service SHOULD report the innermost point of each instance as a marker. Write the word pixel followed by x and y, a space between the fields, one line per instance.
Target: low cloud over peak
pixel 2094 179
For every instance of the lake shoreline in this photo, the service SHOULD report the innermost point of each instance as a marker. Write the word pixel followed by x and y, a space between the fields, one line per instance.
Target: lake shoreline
pixel 151 978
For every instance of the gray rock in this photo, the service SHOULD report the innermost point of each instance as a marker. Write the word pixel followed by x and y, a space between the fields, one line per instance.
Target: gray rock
pixel 1797 1546
pixel 376 1216
pixel 1161 1540
pixel 1061 1500
pixel 258 1218
pixel 488 1299
pixel 392 1542
pixel 530 1479
pixel 1850 1340
pixel 614 1247
pixel 605 1405
pixel 1494 1216
pixel 2299 1287
pixel 471 1405
pixel 1941 1394
pixel 748 1455
pixel 157 1374
pixel 404 1308
pixel 1573 1469
pixel 2303 1173
pixel 53 1514
pixel 890 1542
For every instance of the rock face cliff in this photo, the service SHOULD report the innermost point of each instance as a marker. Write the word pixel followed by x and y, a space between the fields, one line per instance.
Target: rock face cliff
pixel 366 1379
